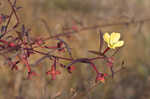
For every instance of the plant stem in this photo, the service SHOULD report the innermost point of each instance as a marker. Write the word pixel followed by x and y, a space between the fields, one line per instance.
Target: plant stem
pixel 106 50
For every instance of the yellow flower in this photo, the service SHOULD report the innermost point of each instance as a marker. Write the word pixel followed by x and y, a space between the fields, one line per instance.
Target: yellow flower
pixel 113 40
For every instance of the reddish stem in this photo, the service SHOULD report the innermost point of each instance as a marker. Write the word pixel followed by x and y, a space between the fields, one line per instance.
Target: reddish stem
pixel 94 67
pixel 51 47
pixel 3 41
pixel 106 50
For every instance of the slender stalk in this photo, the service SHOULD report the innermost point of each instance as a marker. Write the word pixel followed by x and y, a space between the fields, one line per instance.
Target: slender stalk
pixel 107 49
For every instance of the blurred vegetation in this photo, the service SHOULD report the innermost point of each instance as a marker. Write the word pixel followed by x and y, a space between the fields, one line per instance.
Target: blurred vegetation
pixel 73 5
pixel 133 83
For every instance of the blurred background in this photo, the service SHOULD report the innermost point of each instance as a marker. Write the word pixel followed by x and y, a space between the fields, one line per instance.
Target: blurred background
pixel 132 83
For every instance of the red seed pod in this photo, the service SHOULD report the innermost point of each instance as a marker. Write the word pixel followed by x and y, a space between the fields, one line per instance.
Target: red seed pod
pixel 71 68
pixel 101 77
pixel 53 72
pixel 12 44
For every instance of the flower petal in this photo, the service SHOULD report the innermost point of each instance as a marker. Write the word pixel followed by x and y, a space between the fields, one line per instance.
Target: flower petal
pixel 106 37
pixel 114 38
pixel 118 44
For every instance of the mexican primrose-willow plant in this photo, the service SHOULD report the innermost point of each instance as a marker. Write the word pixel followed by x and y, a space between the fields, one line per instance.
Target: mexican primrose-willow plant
pixel 17 49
